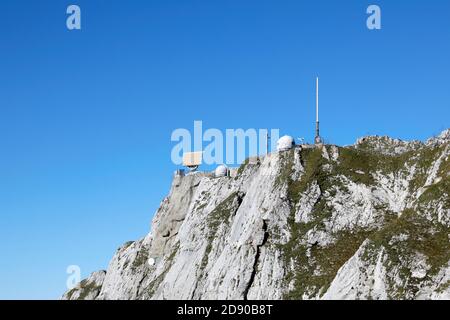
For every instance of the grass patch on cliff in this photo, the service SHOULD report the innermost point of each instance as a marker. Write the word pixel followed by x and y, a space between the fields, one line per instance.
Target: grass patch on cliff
pixel 359 165
pixel 424 237
pixel 436 192
pixel 141 259
pixel 424 160
pixel 444 287
pixel 154 284
pixel 287 161
pixel 85 289
pixel 220 215
pixel 312 162
pixel 241 168
pixel 315 267
pixel 356 165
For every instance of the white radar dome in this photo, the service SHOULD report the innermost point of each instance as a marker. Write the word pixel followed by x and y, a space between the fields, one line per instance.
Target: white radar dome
pixel 221 171
pixel 285 143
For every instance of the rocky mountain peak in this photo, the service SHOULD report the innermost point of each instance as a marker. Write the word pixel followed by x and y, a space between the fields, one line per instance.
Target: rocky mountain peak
pixel 442 138
pixel 386 145
pixel 369 221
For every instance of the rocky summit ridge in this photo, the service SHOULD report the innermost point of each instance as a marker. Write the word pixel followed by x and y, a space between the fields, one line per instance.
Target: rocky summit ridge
pixel 367 221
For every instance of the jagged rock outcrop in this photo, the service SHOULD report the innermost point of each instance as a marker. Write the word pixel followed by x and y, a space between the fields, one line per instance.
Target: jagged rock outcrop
pixel 369 221
pixel 88 289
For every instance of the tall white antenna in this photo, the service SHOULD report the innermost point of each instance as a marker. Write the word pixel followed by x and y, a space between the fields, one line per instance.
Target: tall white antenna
pixel 317 139
pixel 317 99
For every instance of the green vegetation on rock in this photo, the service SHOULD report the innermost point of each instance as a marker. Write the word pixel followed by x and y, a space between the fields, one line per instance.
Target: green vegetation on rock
pixel 314 266
pixel 220 215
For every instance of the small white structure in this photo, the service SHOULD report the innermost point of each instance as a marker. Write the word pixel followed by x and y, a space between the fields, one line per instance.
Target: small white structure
pixel 221 171
pixel 151 262
pixel 285 143
pixel 192 160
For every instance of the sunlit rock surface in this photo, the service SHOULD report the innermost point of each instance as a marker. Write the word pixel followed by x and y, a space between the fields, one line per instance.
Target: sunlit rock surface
pixel 369 221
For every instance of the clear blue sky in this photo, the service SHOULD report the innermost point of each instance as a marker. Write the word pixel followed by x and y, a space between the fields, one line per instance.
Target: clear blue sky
pixel 86 116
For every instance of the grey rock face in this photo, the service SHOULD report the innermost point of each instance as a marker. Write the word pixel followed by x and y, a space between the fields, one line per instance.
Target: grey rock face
pixel 88 289
pixel 369 221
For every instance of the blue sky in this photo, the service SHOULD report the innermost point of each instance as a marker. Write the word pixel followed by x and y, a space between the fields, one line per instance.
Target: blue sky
pixel 86 116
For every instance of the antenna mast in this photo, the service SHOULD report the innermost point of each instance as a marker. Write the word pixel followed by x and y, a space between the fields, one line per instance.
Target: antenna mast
pixel 318 139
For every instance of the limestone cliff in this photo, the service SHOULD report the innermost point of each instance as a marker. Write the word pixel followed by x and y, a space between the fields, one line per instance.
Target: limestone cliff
pixel 368 221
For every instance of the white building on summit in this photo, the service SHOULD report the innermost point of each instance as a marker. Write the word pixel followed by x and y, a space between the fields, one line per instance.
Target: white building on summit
pixel 221 171
pixel 285 143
